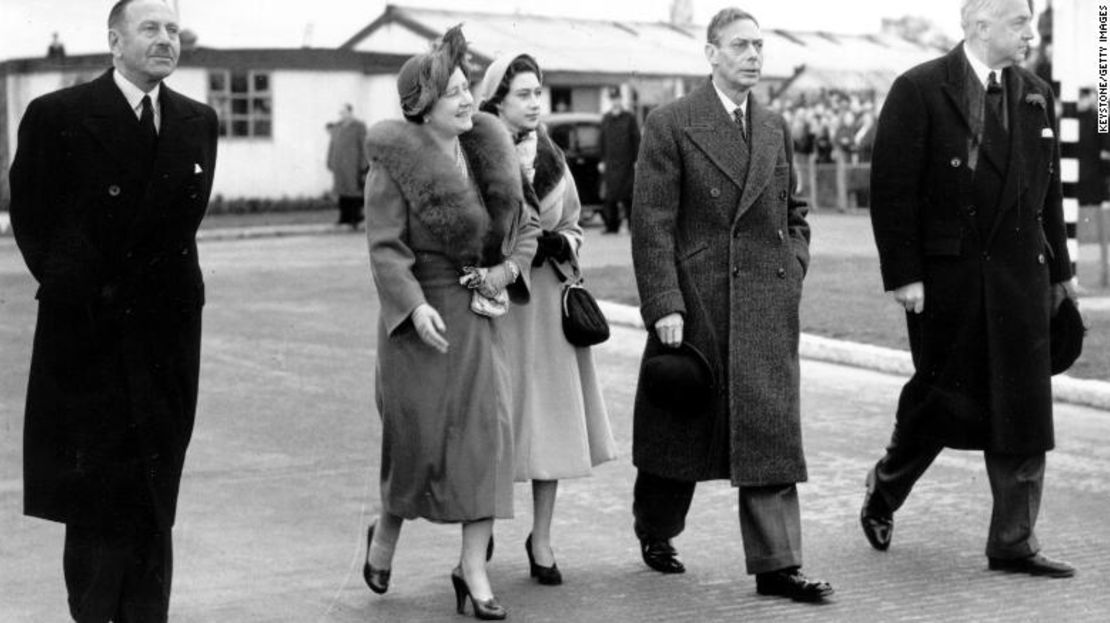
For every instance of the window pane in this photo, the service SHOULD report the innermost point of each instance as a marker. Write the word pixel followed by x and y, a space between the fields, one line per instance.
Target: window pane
pixel 261 82
pixel 217 81
pixel 261 127
pixel 240 127
pixel 221 104
pixel 223 128
pixel 261 105
pixel 239 106
pixel 239 82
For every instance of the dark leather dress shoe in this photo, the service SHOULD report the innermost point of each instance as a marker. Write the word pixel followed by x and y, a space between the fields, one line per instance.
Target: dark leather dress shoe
pixel 660 555
pixel 878 526
pixel 1037 564
pixel 792 583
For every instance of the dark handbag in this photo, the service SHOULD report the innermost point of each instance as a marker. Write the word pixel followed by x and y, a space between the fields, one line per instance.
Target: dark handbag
pixel 583 322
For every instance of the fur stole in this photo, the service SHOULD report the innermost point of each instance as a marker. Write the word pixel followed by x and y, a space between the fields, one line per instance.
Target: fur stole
pixel 472 226
pixel 550 168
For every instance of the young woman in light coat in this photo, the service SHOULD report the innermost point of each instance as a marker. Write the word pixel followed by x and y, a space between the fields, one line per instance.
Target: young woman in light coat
pixel 560 425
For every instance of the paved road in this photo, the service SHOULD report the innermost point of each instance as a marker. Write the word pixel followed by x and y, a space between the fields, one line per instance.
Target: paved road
pixel 282 478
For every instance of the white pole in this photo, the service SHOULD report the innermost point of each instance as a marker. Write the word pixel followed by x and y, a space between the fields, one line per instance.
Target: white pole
pixel 1069 56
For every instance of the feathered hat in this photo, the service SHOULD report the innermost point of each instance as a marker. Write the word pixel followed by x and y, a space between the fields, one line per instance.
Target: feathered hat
pixel 423 78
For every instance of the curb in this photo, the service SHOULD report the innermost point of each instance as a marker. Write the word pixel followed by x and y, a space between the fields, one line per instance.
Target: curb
pixel 1083 392
pixel 269 231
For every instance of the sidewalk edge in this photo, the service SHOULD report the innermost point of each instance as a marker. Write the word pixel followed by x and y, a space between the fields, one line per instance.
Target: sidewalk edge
pixel 1084 392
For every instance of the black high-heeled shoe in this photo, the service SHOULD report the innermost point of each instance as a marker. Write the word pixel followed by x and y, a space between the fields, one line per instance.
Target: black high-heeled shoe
pixel 376 579
pixel 488 610
pixel 549 576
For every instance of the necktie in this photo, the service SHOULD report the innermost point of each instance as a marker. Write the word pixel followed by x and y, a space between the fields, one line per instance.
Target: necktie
pixel 738 115
pixel 146 124
pixel 994 100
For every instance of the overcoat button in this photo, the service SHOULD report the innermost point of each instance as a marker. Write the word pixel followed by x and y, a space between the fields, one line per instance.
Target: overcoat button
pixel 735 271
pixel 714 192
pixel 782 236
pixel 185 251
pixel 956 162
pixel 782 194
pixel 782 272
pixel 113 190
pixel 1040 258
pixel 971 210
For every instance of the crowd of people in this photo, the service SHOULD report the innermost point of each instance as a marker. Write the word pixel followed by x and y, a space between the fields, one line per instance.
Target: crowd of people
pixel 830 126
pixel 472 225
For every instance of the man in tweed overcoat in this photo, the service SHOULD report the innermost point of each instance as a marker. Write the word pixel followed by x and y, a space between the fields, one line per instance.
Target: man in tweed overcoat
pixel 720 250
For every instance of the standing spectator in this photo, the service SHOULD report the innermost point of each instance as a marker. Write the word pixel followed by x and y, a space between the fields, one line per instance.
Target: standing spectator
pixel 720 249
pixel 620 142
pixel 823 143
pixel 968 219
pixel 347 163
pixel 56 50
pixel 109 184
pixel 845 137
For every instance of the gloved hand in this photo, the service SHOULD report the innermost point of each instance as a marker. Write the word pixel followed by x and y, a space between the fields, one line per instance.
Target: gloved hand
pixel 429 326
pixel 497 278
pixel 552 245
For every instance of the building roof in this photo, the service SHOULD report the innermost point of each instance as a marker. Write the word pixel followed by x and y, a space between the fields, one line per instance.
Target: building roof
pixel 572 45
pixel 320 59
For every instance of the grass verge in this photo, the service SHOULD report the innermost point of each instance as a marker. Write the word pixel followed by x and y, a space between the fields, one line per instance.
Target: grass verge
pixel 843 299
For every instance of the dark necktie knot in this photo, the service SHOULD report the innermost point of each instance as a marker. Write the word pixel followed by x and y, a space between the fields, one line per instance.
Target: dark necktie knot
pixel 993 86
pixel 738 116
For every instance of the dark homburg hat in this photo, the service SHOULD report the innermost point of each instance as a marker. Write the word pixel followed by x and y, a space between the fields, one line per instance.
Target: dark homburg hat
pixel 1066 336
pixel 678 380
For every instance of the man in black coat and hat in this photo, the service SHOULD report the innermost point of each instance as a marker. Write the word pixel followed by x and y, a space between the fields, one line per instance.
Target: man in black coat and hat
pixel 968 219
pixel 620 142
pixel 109 183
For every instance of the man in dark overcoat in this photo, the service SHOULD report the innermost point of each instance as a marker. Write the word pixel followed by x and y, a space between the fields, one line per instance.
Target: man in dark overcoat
pixel 348 165
pixel 720 249
pixel 109 183
pixel 968 221
pixel 620 142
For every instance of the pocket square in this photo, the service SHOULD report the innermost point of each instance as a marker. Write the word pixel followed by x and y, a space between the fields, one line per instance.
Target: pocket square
pixel 1047 133
pixel 196 168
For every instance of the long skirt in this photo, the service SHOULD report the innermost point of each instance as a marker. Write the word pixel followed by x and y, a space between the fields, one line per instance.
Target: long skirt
pixel 447 452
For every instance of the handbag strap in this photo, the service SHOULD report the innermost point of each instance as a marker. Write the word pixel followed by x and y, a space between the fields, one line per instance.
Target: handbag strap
pixel 576 273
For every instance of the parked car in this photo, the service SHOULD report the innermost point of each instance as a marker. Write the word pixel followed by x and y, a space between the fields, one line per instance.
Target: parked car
pixel 578 134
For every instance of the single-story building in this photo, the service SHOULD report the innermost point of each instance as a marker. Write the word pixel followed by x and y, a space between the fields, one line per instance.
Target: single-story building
pixel 274 104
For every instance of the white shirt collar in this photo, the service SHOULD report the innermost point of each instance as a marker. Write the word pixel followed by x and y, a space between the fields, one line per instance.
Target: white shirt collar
pixel 730 105
pixel 134 96
pixel 982 71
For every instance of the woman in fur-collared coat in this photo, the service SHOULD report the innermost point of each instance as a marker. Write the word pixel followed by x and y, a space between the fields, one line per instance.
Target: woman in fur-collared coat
pixel 560 424
pixel 444 194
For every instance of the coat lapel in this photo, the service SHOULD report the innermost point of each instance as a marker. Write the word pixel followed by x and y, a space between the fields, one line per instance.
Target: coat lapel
pixel 767 142
pixel 114 125
pixel 1023 120
pixel 716 134
pixel 956 86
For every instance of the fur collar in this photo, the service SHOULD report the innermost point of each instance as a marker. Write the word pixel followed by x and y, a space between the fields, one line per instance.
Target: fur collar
pixel 550 164
pixel 472 226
